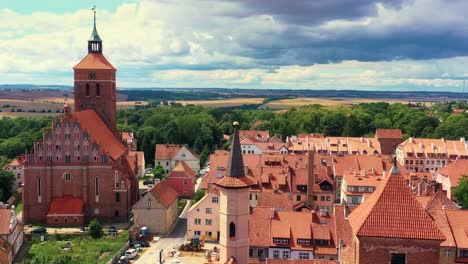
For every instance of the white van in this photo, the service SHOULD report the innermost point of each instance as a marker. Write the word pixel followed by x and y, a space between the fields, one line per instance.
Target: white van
pixel 131 253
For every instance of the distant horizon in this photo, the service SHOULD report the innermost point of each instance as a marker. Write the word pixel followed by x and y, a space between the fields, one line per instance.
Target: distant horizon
pixel 375 45
pixel 70 87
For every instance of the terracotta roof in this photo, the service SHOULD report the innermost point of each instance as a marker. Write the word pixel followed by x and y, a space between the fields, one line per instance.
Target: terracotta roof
pixel 459 225
pixel 388 133
pixel 183 167
pixel 454 171
pixel 94 61
pixel 300 261
pixel 254 134
pixel 234 183
pixel 166 151
pixel 164 193
pixel 275 200
pixel 100 133
pixel 5 217
pixel 440 219
pixel 392 211
pixel 259 226
pixel 66 206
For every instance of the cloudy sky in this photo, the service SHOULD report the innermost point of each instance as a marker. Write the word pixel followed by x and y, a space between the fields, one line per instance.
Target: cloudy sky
pixel 319 44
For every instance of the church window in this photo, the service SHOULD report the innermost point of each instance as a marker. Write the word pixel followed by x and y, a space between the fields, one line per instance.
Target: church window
pixel 117 197
pixel 232 230
pixel 116 213
pixel 96 186
pixel 98 89
pixel 67 177
pixel 38 186
pixel 85 157
pixel 66 219
pixel 104 159
pixel 398 258
pixel 85 136
pixel 67 158
pixel 75 219
pixel 87 89
pixel 58 147
pixel 67 135
pixel 149 203
pixel 49 157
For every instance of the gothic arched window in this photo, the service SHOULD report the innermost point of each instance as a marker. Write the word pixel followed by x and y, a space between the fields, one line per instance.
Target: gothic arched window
pixel 98 89
pixel 87 89
pixel 232 229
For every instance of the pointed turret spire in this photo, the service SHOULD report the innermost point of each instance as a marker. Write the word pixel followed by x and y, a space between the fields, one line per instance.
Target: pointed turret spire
pixel 235 168
pixel 94 42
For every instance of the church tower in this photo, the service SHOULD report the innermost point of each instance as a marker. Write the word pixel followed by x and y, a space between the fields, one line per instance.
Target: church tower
pixel 234 207
pixel 95 86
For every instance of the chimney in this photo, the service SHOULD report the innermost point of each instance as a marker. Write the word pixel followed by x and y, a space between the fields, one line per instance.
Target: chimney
pixel 363 172
pixel 419 189
pixel 420 144
pixel 383 174
pixel 346 211
pixel 411 140
pixel 361 139
pixel 272 213
pixel 462 139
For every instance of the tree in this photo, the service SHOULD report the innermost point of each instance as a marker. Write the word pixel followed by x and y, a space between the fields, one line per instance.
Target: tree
pixel 461 192
pixel 205 154
pixel 158 172
pixel 95 229
pixel 197 145
pixel 198 195
pixel 7 179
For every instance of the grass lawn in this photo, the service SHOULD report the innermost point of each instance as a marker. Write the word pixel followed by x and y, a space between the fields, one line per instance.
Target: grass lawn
pixel 84 249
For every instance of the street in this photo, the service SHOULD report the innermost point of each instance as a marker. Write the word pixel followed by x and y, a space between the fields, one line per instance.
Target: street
pixel 167 243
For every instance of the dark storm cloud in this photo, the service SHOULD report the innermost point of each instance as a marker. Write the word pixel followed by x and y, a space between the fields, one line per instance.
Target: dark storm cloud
pixel 307 12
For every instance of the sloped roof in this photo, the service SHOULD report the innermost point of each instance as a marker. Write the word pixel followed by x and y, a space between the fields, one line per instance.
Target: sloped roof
pixel 454 171
pixel 183 167
pixel 166 151
pixel 392 211
pixel 459 225
pixel 66 206
pixel 388 133
pixel 259 226
pixel 94 61
pixel 5 217
pixel 100 132
pixel 164 193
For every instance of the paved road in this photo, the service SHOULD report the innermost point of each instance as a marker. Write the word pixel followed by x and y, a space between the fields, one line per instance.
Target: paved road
pixel 167 243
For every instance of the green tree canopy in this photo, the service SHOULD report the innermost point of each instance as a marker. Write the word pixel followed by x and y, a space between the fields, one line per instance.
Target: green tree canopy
pixel 461 192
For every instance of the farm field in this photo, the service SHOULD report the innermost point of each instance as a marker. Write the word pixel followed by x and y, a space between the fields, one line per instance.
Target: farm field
pixel 46 106
pixel 224 102
pixel 296 102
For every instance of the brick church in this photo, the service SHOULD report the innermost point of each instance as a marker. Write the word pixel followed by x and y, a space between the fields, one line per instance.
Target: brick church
pixel 83 169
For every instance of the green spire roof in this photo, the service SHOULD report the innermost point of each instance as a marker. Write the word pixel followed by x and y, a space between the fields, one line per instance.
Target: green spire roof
pixel 95 36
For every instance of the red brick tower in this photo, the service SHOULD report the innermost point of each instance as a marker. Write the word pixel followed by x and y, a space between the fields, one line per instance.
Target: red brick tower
pixel 95 82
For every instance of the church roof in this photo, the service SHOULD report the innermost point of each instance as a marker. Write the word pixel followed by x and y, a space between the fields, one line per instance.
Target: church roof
pixel 392 211
pixel 100 132
pixel 66 206
pixel 94 61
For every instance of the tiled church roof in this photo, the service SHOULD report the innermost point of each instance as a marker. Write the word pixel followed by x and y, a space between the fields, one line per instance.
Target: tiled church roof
pixel 392 211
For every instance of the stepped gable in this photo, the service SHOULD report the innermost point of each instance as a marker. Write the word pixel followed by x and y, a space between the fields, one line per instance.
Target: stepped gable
pixel 392 211
pixel 100 132
pixel 235 172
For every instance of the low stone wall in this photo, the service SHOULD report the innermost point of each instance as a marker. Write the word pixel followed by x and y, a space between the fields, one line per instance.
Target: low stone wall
pixel 119 253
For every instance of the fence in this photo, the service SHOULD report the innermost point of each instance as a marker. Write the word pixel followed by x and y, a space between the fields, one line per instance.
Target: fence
pixel 119 253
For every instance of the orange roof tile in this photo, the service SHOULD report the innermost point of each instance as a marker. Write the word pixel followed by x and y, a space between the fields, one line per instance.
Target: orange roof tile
pixel 235 183
pixel 275 200
pixel 455 170
pixel 392 211
pixel 66 206
pixel 5 217
pixel 94 61
pixel 459 225
pixel 388 133
pixel 101 133
pixel 166 151
pixel 164 193
pixel 254 134
pixel 259 226
pixel 183 167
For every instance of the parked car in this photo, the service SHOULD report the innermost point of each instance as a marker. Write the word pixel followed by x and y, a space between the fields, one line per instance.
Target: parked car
pixel 39 231
pixel 112 229
pixel 131 253
pixel 139 244
pixel 148 182
pixel 148 170
pixel 122 260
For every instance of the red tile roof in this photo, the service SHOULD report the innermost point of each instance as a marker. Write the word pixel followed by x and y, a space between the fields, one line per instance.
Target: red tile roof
pixel 458 220
pixel 66 206
pixel 166 151
pixel 94 61
pixel 182 166
pixel 275 200
pixel 455 170
pixel 392 211
pixel 101 133
pixel 254 134
pixel 300 261
pixel 5 217
pixel 388 133
pixel 164 193
pixel 259 227
pixel 235 183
